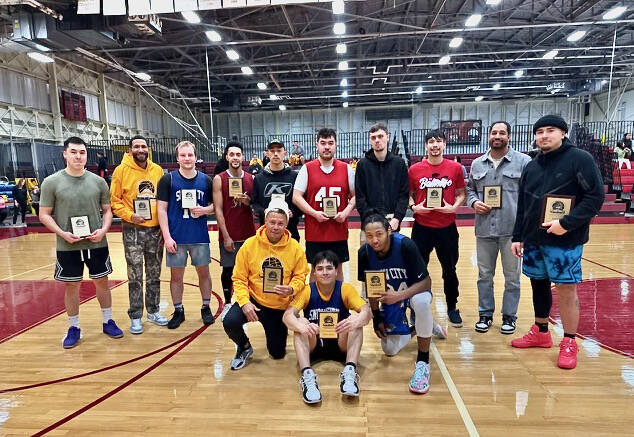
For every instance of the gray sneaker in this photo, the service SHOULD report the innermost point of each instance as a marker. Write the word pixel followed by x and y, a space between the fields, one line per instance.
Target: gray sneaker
pixel 241 357
pixel 157 318
pixel 308 386
pixel 136 326
pixel 349 381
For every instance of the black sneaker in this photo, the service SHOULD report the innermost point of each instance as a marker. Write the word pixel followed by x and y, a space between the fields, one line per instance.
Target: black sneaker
pixel 484 323
pixel 454 318
pixel 241 357
pixel 508 325
pixel 178 317
pixel 208 318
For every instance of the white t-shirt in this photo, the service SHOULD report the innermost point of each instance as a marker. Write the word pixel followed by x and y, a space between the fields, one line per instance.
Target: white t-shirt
pixel 301 183
pixel 496 162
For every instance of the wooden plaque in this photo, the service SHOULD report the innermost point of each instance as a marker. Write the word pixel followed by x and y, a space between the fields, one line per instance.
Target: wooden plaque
pixel 235 187
pixel 143 208
pixel 188 199
pixel 329 206
pixel 327 323
pixel 375 283
pixel 492 195
pixel 80 226
pixel 434 197
pixel 271 276
pixel 555 206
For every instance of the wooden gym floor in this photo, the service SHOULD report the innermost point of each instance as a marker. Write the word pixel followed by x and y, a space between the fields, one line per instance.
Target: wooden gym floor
pixel 178 382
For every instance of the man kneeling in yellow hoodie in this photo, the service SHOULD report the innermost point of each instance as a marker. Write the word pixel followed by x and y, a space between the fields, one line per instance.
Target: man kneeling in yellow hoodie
pixel 270 269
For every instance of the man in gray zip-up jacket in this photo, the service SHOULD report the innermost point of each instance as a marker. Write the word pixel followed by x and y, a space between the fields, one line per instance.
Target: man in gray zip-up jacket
pixel 500 167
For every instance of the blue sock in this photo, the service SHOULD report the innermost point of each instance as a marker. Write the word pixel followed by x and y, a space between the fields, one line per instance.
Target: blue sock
pixel 178 305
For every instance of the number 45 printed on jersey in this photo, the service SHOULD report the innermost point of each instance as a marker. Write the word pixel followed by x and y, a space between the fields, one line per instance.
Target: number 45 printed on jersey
pixel 328 192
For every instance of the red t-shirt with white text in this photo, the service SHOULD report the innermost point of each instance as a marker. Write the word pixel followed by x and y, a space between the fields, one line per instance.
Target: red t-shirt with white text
pixel 447 175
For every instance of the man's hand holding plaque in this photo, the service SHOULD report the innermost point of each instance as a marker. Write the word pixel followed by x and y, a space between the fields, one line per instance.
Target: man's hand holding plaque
pixel 554 208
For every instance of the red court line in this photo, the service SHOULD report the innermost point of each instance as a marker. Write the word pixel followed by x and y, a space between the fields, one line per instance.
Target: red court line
pixel 28 328
pixel 93 372
pixel 130 381
pixel 606 267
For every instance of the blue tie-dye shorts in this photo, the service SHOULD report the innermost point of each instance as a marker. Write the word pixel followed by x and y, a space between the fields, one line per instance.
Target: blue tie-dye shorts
pixel 562 265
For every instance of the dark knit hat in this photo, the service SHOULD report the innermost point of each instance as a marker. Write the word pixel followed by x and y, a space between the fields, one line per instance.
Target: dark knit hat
pixel 551 120
pixel 275 143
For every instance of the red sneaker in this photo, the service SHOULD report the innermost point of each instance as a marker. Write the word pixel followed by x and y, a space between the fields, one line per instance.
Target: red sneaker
pixel 567 353
pixel 533 338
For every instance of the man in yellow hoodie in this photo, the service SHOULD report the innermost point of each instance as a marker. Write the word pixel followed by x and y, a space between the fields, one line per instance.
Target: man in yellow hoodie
pixel 270 269
pixel 133 199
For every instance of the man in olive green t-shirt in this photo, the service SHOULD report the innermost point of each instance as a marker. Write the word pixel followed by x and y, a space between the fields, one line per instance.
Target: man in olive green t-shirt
pixel 75 204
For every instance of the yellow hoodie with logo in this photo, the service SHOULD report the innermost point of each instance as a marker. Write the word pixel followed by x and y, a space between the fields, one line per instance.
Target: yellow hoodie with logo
pixel 258 251
pixel 129 181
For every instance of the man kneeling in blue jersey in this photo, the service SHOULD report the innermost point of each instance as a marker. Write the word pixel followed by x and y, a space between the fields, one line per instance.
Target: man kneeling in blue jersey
pixel 333 300
pixel 408 284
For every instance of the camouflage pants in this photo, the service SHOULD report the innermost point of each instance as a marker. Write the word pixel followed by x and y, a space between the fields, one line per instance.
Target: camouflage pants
pixel 143 244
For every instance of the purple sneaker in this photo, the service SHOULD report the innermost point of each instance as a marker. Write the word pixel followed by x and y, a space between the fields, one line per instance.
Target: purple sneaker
pixel 112 330
pixel 72 337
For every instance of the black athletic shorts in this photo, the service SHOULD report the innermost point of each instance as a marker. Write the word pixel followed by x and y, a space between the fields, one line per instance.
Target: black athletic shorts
pixel 338 247
pixel 327 350
pixel 70 264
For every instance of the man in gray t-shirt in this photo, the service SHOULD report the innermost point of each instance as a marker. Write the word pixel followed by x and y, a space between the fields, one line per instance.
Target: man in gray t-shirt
pixel 75 205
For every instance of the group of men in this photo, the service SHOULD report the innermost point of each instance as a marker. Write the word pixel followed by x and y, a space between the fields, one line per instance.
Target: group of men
pixel 266 268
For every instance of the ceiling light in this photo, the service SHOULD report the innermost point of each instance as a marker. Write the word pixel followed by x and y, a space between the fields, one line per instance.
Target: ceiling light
pixel 419 90
pixel 444 60
pixel 191 16
pixel 143 76
pixel 282 107
pixel 246 70
pixel 213 36
pixel 576 35
pixel 345 104
pixel 614 13
pixel 493 2
pixel 338 7
pixel 39 57
pixel 473 20
pixel 550 55
pixel 273 97
pixel 455 42
pixel 344 82
pixel 343 65
pixel 262 85
pixel 519 73
pixel 344 94
pixel 479 99
pixel 341 48
pixel 429 77
pixel 232 54
pixel 339 28
pixel 496 86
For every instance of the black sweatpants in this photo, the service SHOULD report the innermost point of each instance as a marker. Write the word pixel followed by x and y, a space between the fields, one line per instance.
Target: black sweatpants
pixel 274 329
pixel 445 241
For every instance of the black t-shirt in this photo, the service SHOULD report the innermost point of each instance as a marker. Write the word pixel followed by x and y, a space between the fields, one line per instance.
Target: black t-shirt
pixel 414 264
pixel 165 186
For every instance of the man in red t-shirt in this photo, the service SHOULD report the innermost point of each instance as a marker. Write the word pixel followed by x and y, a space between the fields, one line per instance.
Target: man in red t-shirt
pixel 233 214
pixel 321 182
pixel 435 217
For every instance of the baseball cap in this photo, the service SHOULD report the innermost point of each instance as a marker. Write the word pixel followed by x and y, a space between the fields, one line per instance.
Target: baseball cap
pixel 278 205
pixel 275 142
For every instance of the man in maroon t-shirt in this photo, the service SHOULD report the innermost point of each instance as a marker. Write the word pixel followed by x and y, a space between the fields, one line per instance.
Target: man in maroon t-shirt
pixel 233 213
pixel 321 182
pixel 435 217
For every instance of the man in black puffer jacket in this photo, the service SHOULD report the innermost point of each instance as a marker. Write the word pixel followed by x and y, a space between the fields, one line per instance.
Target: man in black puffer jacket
pixel 380 180
pixel 552 248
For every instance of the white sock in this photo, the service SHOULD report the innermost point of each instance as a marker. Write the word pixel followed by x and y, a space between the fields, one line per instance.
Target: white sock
pixel 107 314
pixel 74 321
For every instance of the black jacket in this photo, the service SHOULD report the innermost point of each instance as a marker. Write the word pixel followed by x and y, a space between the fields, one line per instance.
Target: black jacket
pixel 381 185
pixel 569 171
pixel 20 195
pixel 269 182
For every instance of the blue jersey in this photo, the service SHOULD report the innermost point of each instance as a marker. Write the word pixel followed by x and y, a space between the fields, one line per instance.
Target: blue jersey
pixel 316 304
pixel 394 317
pixel 185 229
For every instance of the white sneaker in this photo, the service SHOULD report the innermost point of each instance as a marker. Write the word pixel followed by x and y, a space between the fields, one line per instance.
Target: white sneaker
pixel 308 386
pixel 136 326
pixel 439 331
pixel 349 381
pixel 157 318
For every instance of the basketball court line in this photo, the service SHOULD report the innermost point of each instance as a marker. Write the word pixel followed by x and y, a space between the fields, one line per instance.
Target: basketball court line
pixel 117 389
pixel 606 267
pixel 455 394
pixel 28 271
